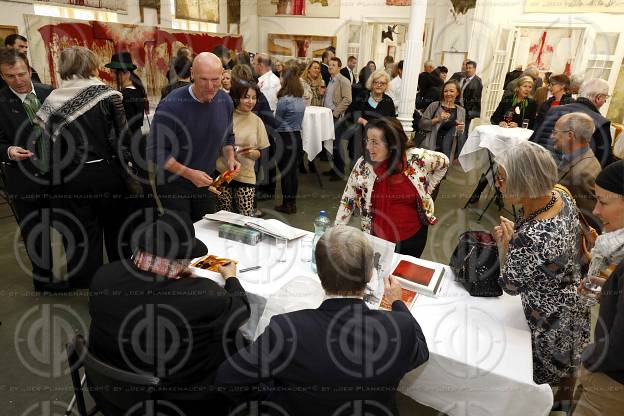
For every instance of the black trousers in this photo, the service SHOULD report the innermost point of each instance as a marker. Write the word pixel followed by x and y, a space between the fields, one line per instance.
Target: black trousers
pixel 289 164
pixel 31 203
pixel 415 245
pixel 268 167
pixel 88 205
pixel 183 196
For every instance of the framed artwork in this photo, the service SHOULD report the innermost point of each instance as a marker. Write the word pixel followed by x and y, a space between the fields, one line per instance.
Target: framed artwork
pixel 574 6
pixel 6 31
pixel 151 47
pixel 112 5
pixel 300 8
pixel 453 60
pixel 201 10
pixel 299 46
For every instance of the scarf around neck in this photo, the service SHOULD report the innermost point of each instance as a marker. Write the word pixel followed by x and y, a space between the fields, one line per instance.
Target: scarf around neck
pixel 72 99
pixel 608 249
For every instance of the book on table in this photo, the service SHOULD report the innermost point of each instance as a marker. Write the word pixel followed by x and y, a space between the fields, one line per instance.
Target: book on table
pixel 425 277
pixel 272 227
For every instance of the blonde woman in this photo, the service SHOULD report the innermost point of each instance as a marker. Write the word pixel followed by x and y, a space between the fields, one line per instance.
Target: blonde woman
pixel 313 84
pixel 517 107
pixel 226 80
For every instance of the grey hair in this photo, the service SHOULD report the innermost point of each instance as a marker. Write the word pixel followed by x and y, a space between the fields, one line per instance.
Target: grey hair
pixel 576 80
pixel 580 123
pixel 78 61
pixel 375 76
pixel 532 71
pixel 429 63
pixel 531 170
pixel 592 87
pixel 344 260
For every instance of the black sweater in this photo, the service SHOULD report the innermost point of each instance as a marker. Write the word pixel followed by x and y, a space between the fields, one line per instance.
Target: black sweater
pixel 361 108
pixel 506 105
pixel 606 354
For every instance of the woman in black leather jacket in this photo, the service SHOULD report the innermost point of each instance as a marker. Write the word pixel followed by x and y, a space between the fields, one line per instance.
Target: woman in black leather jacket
pixel 86 124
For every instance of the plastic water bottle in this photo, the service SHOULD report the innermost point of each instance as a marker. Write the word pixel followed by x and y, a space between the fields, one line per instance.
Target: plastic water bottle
pixel 321 224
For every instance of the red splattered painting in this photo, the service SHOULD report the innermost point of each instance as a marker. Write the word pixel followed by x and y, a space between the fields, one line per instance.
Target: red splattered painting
pixel 151 47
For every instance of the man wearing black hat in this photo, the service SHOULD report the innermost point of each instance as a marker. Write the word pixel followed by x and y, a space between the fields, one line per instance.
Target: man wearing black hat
pixel 150 315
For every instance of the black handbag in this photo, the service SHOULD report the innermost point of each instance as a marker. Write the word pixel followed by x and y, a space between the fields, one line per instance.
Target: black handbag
pixel 476 265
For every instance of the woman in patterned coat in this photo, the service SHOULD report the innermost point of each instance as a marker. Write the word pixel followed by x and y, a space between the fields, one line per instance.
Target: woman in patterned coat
pixel 391 185
pixel 541 263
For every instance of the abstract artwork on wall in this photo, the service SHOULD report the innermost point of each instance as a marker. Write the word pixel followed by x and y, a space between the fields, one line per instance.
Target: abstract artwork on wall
pixel 151 47
pixel 201 10
pixel 299 46
pixel 574 6
pixel 299 8
pixel 113 5
pixel 6 31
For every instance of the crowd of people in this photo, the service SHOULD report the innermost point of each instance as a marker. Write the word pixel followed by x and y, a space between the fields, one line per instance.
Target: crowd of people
pixel 77 157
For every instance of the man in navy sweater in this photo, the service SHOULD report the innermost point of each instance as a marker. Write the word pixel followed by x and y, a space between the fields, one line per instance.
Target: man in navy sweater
pixel 192 127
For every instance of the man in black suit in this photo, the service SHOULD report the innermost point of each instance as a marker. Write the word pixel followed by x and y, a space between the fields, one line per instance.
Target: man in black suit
pixel 343 354
pixel 592 95
pixel 26 176
pixel 150 315
pixel 510 76
pixel 325 58
pixel 471 88
pixel 348 71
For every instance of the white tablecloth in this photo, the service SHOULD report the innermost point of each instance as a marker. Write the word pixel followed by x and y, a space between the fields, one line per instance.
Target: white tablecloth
pixel 496 139
pixel 317 129
pixel 480 361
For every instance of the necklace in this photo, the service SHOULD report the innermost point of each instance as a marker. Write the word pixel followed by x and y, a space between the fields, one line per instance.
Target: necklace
pixel 534 214
pixel 376 99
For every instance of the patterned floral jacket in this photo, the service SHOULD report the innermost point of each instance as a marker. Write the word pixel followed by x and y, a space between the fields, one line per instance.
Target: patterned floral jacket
pixel 425 169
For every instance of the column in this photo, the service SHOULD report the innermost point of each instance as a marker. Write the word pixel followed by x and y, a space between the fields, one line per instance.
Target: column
pixel 412 63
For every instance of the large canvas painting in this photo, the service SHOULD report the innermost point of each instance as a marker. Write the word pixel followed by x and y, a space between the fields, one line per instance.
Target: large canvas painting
pixel 574 6
pixel 202 10
pixel 151 47
pixel 299 8
pixel 113 5
pixel 299 46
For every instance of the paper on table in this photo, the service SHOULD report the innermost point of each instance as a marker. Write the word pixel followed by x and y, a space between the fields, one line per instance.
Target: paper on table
pixel 271 227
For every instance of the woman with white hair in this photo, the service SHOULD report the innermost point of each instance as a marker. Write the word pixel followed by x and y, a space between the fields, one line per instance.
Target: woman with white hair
pixel 373 102
pixel 541 263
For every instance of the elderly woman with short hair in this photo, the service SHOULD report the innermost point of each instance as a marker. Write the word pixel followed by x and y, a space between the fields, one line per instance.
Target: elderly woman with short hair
pixel 541 262
pixel 373 102
pixel 514 108
pixel 87 126
pixel 392 186
pixel 559 87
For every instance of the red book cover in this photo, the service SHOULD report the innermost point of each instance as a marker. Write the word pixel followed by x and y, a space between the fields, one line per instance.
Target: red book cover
pixel 408 296
pixel 414 272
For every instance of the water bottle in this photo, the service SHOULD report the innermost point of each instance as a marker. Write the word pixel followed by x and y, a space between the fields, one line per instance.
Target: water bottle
pixel 321 224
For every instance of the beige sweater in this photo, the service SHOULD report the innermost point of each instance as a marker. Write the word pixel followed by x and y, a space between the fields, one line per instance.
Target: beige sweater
pixel 249 131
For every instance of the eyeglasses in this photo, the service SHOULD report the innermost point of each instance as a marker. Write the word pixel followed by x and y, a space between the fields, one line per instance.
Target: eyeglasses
pixel 555 131
pixel 499 178
pixel 379 83
pixel 606 96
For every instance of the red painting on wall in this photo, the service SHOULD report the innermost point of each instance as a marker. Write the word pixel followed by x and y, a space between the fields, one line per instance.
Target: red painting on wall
pixel 151 47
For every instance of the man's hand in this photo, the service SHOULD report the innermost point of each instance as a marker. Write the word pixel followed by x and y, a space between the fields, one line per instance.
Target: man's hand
pixel 362 121
pixel 392 289
pixel 504 124
pixel 19 153
pixel 227 270
pixel 199 178
pixel 513 124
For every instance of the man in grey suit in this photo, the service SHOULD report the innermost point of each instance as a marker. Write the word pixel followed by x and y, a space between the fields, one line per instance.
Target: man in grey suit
pixel 337 98
pixel 579 166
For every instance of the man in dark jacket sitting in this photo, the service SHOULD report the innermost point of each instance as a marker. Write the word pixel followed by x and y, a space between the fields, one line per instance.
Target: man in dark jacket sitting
pixel 592 95
pixel 341 355
pixel 149 315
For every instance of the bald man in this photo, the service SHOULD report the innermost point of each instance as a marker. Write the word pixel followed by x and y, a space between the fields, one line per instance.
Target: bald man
pixel 192 128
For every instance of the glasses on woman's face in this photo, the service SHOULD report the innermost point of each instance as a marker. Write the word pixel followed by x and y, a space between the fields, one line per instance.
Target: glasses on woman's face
pixel 374 143
pixel 379 83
